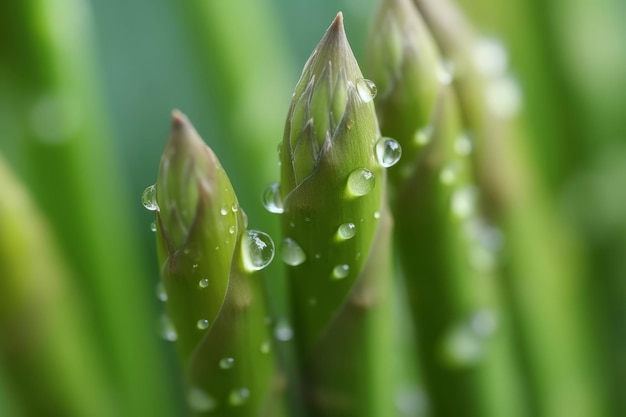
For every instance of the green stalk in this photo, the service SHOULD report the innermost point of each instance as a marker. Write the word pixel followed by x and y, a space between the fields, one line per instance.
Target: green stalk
pixel 56 134
pixel 47 352
pixel 215 298
pixel 541 267
pixel 336 230
pixel 464 331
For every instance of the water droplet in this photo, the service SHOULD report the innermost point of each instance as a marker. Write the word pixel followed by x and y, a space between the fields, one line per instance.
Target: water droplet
pixel 445 72
pixel 257 250
pixel 283 330
pixel 423 136
pixel 377 214
pixel 223 211
pixel 153 227
pixel 388 152
pixel 449 174
pixel 148 198
pixel 238 397
pixel 462 347
pixel 367 89
pixel 463 145
pixel 484 323
pixel 203 324
pixel 271 198
pixel 464 201
pixel 266 347
pixel 234 208
pixel 160 290
pixel 504 97
pixel 361 181
pixel 346 231
pixel 341 271
pixel 231 229
pixel 490 57
pixel 168 332
pixel 199 401
pixel 291 253
pixel 227 363
pixel 203 283
pixel 194 266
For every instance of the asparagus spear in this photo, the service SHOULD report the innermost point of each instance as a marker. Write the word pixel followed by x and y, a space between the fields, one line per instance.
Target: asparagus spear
pixel 47 350
pixel 336 230
pixel 215 299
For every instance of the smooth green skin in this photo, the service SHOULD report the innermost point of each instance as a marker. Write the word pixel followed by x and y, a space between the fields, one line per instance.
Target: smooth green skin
pixel 194 240
pixel 341 328
pixel 46 54
pixel 551 310
pixel 47 352
pixel 445 289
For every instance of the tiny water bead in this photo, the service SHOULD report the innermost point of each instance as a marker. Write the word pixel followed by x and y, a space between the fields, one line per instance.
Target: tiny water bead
pixel 223 211
pixel 463 145
pixel 283 330
pixel 168 332
pixel 203 324
pixel 423 136
pixel 388 152
pixel 361 181
pixel 238 397
pixel 148 198
pixel 341 271
pixel 464 201
pixel 199 401
pixel 153 227
pixel 367 89
pixel 449 174
pixel 203 283
pixel 266 347
pixel 291 253
pixel 257 250
pixel 227 363
pixel 377 215
pixel 271 198
pixel 234 208
pixel 346 231
pixel 463 347
pixel 160 290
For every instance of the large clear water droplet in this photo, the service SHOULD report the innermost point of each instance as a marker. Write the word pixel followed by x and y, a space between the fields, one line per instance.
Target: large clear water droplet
pixel 203 283
pixel 341 271
pixel 257 250
pixel 271 198
pixel 202 324
pixel 199 401
pixel 283 330
pixel 367 89
pixel 148 198
pixel 388 152
pixel 168 332
pixel 238 397
pixel 346 231
pixel 227 363
pixel 291 253
pixel 361 181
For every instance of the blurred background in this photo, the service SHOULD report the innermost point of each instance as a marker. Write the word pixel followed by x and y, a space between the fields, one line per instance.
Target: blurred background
pixel 86 91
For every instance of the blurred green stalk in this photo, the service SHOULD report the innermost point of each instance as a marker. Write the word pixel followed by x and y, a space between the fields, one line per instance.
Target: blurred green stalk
pixel 56 134
pixel 47 352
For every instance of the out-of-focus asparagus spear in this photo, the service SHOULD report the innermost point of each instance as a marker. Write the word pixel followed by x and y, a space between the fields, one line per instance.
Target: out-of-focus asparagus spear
pixel 47 351
pixel 540 265
pixel 469 367
pixel 215 301
pixel 336 230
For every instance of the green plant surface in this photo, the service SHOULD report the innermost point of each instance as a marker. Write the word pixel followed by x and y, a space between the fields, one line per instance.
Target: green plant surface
pixel 48 357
